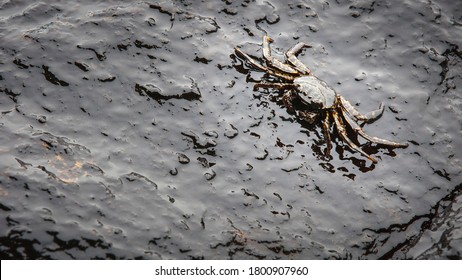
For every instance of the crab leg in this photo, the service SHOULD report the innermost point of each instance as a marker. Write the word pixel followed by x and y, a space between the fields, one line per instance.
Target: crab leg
pixel 373 139
pixel 250 60
pixel 288 98
pixel 372 116
pixel 292 58
pixel 326 128
pixel 257 65
pixel 274 61
pixel 343 134
pixel 351 110
pixel 309 117
pixel 368 118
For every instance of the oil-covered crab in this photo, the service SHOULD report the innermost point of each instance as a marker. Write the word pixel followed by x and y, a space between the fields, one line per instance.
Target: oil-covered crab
pixel 318 99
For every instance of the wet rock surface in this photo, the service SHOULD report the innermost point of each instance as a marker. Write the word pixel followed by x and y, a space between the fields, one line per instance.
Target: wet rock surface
pixel 132 131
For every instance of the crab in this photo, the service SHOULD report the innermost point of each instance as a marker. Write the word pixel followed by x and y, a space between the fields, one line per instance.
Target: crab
pixel 317 98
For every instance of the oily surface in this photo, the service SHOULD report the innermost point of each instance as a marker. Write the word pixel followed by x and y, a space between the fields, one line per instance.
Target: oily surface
pixel 129 129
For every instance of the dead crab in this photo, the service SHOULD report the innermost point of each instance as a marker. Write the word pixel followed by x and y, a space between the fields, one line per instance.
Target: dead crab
pixel 317 98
